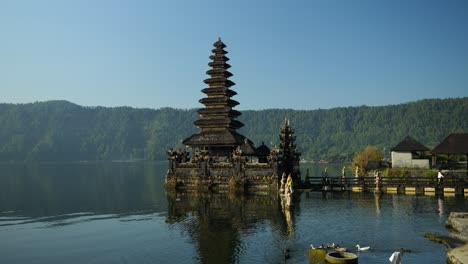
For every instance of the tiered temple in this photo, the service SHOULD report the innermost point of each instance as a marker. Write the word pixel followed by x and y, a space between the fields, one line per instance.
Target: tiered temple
pixel 221 157
pixel 218 122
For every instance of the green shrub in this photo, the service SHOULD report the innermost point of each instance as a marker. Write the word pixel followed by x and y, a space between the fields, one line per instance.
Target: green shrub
pixel 430 173
pixel 385 172
pixel 399 172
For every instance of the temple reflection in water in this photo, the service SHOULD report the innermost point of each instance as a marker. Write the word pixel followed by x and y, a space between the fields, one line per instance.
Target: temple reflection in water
pixel 217 221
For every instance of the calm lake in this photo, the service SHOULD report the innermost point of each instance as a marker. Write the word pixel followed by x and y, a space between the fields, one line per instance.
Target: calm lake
pixel 120 213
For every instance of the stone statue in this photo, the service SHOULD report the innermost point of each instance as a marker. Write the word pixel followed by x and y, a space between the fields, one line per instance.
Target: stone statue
pixel 289 191
pixel 325 176
pixel 172 157
pixel 283 182
pixel 377 180
pixel 184 156
pixel 289 183
pixel 273 157
pixel 178 156
pixel 343 175
pixel 237 155
pixel 195 157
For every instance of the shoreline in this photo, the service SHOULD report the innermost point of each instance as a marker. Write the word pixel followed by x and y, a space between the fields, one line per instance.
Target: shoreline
pixel 458 223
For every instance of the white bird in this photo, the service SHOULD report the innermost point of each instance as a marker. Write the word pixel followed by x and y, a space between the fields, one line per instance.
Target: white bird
pixel 312 246
pixel 395 258
pixel 341 249
pixel 359 248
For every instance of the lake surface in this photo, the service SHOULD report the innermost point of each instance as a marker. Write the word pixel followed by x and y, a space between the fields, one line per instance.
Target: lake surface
pixel 120 213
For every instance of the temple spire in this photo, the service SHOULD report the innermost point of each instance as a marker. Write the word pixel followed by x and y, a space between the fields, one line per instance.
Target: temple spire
pixel 218 122
pixel 289 156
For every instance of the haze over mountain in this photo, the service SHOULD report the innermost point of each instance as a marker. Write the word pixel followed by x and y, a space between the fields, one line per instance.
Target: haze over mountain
pixel 63 131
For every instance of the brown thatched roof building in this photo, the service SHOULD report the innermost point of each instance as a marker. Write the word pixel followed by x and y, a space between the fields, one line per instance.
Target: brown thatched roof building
pixel 248 148
pixel 409 144
pixel 455 143
pixel 263 152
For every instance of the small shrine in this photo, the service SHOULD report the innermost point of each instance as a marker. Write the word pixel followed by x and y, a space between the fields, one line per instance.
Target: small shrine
pixel 221 157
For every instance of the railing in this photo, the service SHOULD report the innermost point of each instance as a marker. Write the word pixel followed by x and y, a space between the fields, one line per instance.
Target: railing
pixel 417 182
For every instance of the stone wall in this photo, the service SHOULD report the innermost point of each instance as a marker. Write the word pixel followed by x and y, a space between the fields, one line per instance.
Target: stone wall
pixel 404 160
pixel 223 175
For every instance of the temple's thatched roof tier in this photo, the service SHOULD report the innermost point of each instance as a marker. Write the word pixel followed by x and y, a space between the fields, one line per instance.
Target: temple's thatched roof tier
pixel 219 55
pixel 219 44
pixel 455 143
pixel 219 91
pixel 219 72
pixel 224 101
pixel 218 51
pixel 218 123
pixel 409 144
pixel 219 65
pixel 219 81
pixel 224 138
pixel 221 111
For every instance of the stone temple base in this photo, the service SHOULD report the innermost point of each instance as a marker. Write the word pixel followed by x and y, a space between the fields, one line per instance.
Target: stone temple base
pixel 219 176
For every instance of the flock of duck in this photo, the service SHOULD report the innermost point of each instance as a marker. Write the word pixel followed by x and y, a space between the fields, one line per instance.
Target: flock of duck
pixel 337 247
pixel 395 258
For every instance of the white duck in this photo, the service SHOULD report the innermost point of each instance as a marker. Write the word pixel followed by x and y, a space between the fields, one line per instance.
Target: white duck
pixel 395 258
pixel 312 247
pixel 359 248
pixel 340 249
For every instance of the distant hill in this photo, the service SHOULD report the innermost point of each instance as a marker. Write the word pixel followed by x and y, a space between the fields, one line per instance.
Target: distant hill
pixel 63 131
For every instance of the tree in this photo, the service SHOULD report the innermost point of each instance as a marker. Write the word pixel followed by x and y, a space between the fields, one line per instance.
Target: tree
pixel 370 153
pixel 63 131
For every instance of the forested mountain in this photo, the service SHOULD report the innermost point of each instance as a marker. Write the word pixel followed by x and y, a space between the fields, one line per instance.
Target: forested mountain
pixel 60 130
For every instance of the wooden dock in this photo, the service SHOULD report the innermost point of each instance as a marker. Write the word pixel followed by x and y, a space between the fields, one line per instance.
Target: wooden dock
pixel 406 185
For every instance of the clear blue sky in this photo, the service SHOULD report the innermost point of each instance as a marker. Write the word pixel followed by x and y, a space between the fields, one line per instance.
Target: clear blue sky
pixel 284 54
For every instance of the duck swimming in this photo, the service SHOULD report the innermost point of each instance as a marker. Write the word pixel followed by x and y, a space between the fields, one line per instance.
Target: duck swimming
pixel 359 248
pixel 340 249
